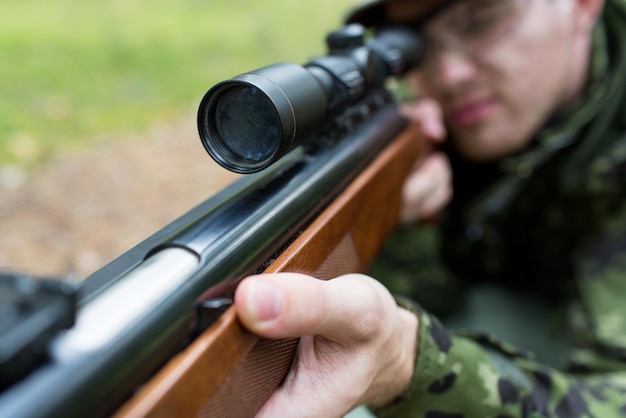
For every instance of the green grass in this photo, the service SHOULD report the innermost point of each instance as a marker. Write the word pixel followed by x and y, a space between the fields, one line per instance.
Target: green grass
pixel 72 70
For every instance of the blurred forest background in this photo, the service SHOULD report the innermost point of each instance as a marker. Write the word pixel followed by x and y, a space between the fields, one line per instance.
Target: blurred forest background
pixel 73 70
pixel 98 145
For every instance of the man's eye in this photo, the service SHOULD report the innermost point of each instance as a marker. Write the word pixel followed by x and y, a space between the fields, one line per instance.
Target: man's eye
pixel 483 18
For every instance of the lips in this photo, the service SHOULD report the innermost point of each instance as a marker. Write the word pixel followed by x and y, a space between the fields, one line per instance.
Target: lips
pixel 471 112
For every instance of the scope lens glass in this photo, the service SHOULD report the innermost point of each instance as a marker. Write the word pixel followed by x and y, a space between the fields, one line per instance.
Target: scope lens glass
pixel 247 124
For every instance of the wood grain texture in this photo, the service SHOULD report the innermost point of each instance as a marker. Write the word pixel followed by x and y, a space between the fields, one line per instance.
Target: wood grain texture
pixel 228 372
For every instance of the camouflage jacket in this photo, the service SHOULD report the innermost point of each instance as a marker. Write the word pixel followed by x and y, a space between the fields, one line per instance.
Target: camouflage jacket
pixel 552 221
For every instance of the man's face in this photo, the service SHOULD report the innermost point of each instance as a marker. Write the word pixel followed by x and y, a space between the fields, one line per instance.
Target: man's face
pixel 496 93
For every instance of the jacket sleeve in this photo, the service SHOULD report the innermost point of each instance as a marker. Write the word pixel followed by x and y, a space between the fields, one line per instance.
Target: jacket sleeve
pixel 461 375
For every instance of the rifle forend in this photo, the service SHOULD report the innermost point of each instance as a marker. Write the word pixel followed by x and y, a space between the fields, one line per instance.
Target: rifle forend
pixel 154 334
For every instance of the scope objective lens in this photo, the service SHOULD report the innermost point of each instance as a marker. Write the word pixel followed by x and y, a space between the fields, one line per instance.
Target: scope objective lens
pixel 252 120
pixel 246 124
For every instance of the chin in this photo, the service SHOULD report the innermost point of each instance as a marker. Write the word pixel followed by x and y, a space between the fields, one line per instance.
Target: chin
pixel 481 149
pixel 476 155
pixel 487 142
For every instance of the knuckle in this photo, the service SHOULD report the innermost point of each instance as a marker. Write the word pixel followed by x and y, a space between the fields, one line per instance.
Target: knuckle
pixel 372 321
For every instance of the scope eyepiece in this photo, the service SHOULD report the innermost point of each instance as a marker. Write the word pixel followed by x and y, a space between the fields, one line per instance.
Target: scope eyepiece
pixel 250 121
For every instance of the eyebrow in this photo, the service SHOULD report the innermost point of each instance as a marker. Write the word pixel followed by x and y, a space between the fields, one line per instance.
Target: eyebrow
pixel 438 10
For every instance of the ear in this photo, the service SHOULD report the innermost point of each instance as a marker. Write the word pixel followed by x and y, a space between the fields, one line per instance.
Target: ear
pixel 587 13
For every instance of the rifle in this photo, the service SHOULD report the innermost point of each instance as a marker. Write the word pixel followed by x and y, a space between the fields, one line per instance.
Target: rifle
pixel 152 333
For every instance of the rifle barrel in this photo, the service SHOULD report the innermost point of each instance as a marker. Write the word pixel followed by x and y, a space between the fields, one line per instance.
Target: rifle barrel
pixel 130 327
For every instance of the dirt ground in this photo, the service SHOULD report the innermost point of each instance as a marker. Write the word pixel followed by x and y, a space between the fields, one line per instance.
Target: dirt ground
pixel 82 209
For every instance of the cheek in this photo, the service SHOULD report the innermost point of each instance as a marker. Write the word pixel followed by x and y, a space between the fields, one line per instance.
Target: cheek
pixel 528 77
pixel 517 72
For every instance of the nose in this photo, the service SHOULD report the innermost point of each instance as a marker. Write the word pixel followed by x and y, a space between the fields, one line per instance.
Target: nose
pixel 451 68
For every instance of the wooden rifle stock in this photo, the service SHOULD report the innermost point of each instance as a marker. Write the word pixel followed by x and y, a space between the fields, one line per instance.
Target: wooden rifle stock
pixel 229 372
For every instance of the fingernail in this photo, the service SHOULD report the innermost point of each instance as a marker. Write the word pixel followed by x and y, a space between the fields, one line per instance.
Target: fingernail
pixel 434 129
pixel 268 300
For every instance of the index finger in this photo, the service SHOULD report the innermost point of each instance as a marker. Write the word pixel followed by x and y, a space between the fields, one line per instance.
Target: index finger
pixel 429 115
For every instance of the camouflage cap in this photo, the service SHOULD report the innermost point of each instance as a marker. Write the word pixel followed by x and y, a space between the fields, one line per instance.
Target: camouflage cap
pixel 375 12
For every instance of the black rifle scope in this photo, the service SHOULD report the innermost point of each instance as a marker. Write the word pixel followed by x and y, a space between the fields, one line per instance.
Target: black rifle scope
pixel 248 122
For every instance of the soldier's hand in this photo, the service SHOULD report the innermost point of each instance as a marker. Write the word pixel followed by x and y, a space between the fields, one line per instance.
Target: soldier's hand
pixel 428 188
pixel 357 346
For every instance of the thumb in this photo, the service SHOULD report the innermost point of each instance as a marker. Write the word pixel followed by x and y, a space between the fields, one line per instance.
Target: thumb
pixel 285 305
